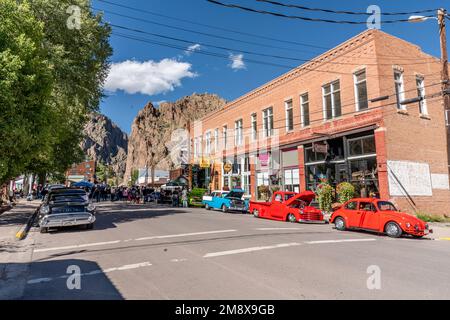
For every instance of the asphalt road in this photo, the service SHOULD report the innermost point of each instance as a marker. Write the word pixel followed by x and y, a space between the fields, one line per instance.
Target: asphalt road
pixel 138 252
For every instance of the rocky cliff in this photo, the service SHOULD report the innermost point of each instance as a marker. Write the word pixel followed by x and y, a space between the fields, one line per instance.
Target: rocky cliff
pixel 153 130
pixel 105 142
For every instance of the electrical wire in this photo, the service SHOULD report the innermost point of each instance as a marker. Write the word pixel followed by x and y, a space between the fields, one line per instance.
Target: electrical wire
pixel 342 11
pixel 277 14
pixel 140 10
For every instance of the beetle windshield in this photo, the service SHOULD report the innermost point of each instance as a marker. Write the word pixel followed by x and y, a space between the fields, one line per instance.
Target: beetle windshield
pixel 386 206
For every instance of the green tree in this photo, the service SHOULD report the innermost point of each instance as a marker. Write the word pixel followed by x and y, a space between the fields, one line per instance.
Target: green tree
pixel 25 89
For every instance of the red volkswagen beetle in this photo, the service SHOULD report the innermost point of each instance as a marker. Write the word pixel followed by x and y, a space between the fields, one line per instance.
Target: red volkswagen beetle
pixel 377 215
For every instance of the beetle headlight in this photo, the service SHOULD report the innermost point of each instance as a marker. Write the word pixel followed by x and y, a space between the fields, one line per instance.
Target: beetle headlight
pixel 91 207
pixel 44 209
pixel 408 225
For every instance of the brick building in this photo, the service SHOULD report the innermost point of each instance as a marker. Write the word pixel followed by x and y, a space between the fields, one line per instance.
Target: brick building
pixel 341 118
pixel 81 171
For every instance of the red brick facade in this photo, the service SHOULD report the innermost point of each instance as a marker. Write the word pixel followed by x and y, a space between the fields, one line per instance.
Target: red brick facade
pixel 400 134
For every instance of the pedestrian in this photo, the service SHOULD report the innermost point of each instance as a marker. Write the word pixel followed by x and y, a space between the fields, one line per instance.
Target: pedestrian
pixel 184 198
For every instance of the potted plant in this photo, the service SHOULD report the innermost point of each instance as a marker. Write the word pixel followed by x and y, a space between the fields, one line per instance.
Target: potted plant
pixel 345 192
pixel 325 196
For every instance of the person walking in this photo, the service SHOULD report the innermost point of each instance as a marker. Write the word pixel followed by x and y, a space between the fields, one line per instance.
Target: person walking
pixel 184 197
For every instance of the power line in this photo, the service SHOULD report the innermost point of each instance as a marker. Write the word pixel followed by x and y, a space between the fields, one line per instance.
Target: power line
pixel 342 11
pixel 140 10
pixel 277 14
pixel 200 32
pixel 237 40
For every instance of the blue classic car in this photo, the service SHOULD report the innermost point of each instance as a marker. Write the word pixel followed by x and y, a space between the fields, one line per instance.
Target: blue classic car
pixel 226 201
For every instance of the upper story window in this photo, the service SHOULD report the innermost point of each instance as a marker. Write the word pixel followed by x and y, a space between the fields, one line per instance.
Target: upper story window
pixel 225 137
pixel 254 127
pixel 304 106
pixel 420 83
pixel 289 116
pixel 238 132
pixel 399 88
pixel 362 102
pixel 268 122
pixel 197 147
pixel 208 143
pixel 332 100
pixel 216 140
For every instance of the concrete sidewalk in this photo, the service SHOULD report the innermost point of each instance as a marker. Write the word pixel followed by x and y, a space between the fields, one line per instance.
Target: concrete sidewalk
pixel 15 255
pixel 441 231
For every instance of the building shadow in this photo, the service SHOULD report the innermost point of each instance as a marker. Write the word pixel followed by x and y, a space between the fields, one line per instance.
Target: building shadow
pixel 48 280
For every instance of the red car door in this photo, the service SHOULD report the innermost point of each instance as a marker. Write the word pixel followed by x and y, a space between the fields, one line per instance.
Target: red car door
pixel 370 217
pixel 276 210
pixel 352 214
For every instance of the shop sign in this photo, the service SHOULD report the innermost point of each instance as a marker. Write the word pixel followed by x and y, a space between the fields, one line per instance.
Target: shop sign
pixel 264 160
pixel 205 163
pixel 227 167
pixel 320 147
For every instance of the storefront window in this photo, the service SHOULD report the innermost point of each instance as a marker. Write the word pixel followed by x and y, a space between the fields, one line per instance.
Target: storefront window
pixel 292 180
pixel 312 156
pixel 364 175
pixel 361 146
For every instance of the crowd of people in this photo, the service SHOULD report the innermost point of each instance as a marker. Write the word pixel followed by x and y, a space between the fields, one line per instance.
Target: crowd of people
pixel 138 194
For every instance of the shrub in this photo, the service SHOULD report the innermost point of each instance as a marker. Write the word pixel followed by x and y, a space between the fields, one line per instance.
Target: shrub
pixel 325 196
pixel 345 191
pixel 430 217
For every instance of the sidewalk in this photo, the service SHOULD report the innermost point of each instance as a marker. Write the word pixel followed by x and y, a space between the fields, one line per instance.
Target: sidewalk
pixel 441 231
pixel 15 255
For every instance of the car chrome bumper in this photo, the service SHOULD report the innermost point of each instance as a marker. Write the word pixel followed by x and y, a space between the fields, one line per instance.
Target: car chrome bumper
pixel 54 222
pixel 237 209
pixel 313 221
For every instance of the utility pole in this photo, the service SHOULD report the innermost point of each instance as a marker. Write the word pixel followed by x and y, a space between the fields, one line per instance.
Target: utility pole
pixel 444 74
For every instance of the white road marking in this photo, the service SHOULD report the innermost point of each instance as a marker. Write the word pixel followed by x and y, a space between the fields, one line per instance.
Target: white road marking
pixel 269 229
pixel 245 250
pixel 339 241
pixel 178 260
pixel 78 246
pixel 95 272
pixel 185 235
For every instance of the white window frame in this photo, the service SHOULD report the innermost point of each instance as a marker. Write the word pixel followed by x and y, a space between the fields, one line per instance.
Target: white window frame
pixel 225 137
pixel 333 102
pixel 289 106
pixel 399 89
pixel 268 122
pixel 216 140
pixel 208 143
pixel 254 122
pixel 303 102
pixel 356 83
pixel 420 84
pixel 238 133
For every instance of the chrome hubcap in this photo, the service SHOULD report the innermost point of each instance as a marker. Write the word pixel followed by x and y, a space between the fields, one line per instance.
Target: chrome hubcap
pixel 339 223
pixel 392 229
pixel 256 213
pixel 291 218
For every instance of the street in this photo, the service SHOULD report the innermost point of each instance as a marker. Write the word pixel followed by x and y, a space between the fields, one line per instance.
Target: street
pixel 150 252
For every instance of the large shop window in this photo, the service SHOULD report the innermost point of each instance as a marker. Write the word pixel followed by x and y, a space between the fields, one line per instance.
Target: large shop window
pixel 364 176
pixel 292 180
pixel 361 146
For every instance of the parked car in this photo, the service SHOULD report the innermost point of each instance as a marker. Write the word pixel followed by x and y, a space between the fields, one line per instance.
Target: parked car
pixel 226 201
pixel 66 207
pixel 379 216
pixel 289 206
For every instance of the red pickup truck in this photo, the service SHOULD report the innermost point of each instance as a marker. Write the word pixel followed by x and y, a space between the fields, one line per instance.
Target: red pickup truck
pixel 288 206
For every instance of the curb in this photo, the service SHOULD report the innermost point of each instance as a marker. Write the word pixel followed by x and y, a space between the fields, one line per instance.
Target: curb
pixel 23 231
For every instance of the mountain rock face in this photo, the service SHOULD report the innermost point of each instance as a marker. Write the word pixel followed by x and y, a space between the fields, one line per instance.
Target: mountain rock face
pixel 105 142
pixel 153 130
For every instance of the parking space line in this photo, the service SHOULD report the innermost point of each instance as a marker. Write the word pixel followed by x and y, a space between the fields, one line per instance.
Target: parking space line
pixel 246 250
pixel 185 234
pixel 339 241
pixel 78 246
pixel 94 272
pixel 276 229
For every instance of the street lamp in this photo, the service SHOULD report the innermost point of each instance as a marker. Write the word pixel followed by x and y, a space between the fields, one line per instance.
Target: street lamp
pixel 441 15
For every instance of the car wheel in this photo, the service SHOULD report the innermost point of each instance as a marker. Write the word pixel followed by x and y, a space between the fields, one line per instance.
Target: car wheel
pixel 291 218
pixel 224 208
pixel 393 230
pixel 339 223
pixel 43 230
pixel 207 207
pixel 256 213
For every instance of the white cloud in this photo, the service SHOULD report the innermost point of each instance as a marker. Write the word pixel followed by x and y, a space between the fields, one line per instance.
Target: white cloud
pixel 237 61
pixel 191 49
pixel 148 77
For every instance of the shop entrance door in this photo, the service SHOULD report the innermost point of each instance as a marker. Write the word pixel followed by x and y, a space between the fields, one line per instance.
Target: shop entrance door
pixel 341 173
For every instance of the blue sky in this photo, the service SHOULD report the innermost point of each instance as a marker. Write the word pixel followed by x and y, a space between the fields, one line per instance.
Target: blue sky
pixel 167 74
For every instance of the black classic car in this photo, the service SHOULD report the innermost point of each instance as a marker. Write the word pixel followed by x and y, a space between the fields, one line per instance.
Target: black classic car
pixel 66 207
